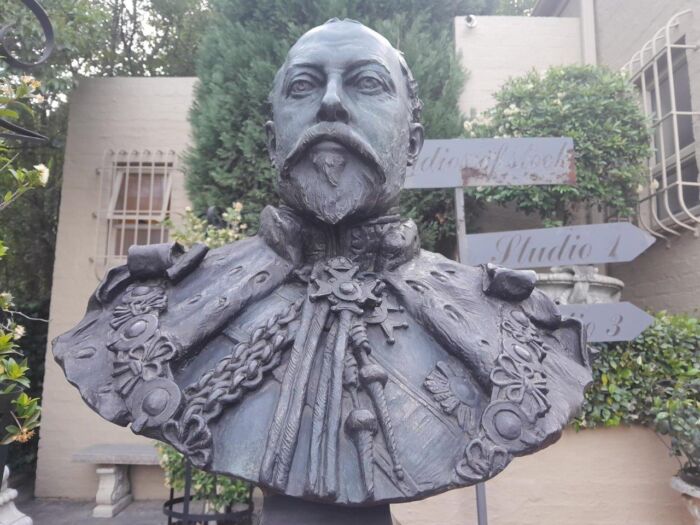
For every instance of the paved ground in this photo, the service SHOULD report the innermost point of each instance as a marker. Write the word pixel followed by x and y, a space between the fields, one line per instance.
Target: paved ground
pixel 67 512
pixel 64 512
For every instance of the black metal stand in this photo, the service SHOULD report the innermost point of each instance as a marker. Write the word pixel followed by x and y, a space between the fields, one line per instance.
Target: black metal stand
pixel 283 510
pixel 481 504
pixel 186 518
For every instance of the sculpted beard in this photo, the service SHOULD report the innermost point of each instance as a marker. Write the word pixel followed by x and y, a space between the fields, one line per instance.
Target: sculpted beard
pixel 333 174
pixel 331 186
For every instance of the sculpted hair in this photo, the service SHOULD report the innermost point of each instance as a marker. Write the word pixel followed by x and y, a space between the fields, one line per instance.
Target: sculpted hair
pixel 411 84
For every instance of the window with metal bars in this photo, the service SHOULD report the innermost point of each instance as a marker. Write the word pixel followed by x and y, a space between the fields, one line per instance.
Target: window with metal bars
pixel 135 201
pixel 671 201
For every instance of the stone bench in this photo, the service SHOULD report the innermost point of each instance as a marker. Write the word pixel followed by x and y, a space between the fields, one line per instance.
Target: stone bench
pixel 113 461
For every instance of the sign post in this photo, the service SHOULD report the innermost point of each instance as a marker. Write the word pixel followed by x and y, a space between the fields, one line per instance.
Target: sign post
pixel 460 163
pixel 585 244
pixel 608 322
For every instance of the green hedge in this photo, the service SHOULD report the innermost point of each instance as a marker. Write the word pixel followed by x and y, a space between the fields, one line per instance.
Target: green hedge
pixel 634 382
pixel 595 106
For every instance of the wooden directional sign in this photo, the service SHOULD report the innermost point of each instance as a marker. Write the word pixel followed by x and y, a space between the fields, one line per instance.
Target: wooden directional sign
pixel 453 163
pixel 609 322
pixel 587 244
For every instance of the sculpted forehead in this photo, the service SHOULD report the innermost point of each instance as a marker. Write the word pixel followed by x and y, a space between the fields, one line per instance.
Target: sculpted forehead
pixel 340 44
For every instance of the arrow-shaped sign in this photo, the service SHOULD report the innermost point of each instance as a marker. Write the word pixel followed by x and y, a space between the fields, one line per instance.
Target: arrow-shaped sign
pixel 586 244
pixel 454 163
pixel 609 322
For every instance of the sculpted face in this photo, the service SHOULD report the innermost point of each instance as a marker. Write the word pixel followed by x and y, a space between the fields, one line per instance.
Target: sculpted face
pixel 343 130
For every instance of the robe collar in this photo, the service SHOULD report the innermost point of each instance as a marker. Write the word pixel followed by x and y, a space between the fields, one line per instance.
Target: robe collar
pixel 377 244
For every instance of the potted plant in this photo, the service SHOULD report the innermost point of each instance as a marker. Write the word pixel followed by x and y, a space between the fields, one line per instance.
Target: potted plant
pixel 598 109
pixel 679 419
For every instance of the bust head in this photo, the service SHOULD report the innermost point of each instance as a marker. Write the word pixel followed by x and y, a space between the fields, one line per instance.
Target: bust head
pixel 345 123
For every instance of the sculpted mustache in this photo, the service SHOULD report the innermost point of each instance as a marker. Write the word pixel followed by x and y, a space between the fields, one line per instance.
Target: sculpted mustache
pixel 337 132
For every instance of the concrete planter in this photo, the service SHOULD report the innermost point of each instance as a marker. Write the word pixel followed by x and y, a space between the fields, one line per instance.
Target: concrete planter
pixel 691 496
pixel 579 285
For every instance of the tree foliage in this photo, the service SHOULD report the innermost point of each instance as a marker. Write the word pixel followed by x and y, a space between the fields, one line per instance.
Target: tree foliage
pixel 599 110
pixel 515 7
pixel 239 56
pixel 195 229
pixel 93 38
pixel 15 181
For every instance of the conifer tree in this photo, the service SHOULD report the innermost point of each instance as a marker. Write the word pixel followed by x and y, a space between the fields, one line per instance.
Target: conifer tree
pixel 237 61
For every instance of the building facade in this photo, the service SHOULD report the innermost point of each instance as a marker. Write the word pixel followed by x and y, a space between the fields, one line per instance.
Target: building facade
pixel 123 177
pixel 657 45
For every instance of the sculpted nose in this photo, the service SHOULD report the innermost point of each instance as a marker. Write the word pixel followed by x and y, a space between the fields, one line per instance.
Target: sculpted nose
pixel 332 108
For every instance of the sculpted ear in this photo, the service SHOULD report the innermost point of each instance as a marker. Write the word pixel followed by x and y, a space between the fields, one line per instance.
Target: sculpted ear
pixel 271 141
pixel 415 142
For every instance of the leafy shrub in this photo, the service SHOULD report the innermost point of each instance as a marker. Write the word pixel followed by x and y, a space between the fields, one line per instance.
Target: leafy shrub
pixel 219 492
pixel 195 229
pixel 653 380
pixel 679 418
pixel 598 109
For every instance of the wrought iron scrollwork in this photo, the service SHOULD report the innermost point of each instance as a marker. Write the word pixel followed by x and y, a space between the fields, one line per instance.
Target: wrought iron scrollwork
pixel 46 27
pixel 16 132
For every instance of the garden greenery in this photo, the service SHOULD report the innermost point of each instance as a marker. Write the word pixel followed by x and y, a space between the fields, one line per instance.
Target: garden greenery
pixel 219 492
pixel 195 229
pixel 653 380
pixel 598 109
pixel 24 414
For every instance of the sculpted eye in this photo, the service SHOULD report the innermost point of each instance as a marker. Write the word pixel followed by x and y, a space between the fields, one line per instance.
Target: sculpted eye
pixel 369 84
pixel 301 86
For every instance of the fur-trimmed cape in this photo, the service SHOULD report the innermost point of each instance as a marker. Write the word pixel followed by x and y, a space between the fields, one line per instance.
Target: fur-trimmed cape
pixel 352 368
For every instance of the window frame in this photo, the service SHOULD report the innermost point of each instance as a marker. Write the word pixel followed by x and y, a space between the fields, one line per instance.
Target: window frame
pixel 118 178
pixel 118 168
pixel 654 211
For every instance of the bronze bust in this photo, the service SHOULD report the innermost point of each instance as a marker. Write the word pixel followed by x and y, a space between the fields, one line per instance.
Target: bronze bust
pixel 329 358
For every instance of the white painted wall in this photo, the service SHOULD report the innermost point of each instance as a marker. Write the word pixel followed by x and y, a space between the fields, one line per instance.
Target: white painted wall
pixel 116 113
pixel 500 47
pixel 615 476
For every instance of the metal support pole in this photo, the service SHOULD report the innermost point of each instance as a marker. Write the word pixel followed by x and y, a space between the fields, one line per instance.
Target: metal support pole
pixel 188 484
pixel 461 229
pixel 461 226
pixel 481 504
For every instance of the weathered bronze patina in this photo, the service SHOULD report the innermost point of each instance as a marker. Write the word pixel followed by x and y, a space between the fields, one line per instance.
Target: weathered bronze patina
pixel 328 357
